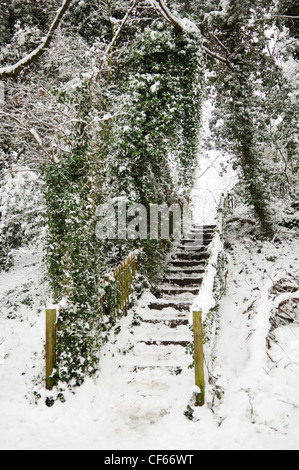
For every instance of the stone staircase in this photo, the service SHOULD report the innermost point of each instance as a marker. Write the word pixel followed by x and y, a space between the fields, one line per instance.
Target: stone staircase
pixel 159 355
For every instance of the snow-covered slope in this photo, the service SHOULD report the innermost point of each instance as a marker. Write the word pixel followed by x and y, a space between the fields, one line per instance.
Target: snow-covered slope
pixel 252 401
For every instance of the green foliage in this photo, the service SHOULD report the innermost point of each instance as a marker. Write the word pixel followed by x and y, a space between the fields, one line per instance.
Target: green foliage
pixel 20 19
pixel 80 336
pixel 164 101
pixel 159 128
pixel 72 193
pixel 154 149
pixel 72 248
pixel 244 108
pixel 74 258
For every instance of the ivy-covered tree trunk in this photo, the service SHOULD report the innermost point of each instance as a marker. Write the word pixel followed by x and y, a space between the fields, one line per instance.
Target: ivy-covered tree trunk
pixel 250 159
pixel 154 152
pixel 239 105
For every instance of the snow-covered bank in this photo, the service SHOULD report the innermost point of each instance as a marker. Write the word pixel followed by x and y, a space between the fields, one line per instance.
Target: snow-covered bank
pixel 259 385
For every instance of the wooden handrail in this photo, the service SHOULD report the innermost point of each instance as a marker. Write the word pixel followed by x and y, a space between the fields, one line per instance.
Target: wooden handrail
pixel 201 307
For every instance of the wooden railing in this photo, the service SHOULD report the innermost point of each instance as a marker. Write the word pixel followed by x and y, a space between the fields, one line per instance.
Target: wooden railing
pixel 119 287
pixel 203 305
pixel 115 301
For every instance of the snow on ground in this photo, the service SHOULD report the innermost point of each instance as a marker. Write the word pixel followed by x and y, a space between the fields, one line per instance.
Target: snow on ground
pixel 256 406
pixel 260 406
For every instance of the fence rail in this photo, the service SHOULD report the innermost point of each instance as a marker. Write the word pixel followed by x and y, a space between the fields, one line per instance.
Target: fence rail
pixel 115 301
pixel 120 283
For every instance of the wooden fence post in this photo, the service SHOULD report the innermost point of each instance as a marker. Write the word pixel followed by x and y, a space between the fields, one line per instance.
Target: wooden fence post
pixel 126 272
pixel 199 357
pixel 134 265
pixel 130 274
pixel 51 317
pixel 122 283
pixel 116 277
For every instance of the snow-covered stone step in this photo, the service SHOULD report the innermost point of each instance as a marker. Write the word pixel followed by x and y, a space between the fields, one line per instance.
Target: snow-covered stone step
pixel 186 297
pixel 167 310
pixel 154 355
pixel 171 323
pixel 192 247
pixel 171 370
pixel 197 238
pixel 140 409
pixel 152 342
pixel 198 234
pixel 150 386
pixel 179 274
pixel 154 382
pixel 197 244
pixel 184 281
pixel 199 230
pixel 170 306
pixel 187 263
pixel 173 364
pixel 203 227
pixel 181 271
pixel 178 291
pixel 165 315
pixel 163 331
pixel 189 256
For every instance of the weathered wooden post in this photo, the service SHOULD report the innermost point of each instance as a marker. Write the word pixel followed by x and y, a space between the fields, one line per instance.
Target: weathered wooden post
pixel 122 283
pixel 199 357
pixel 117 303
pixel 126 286
pixel 130 273
pixel 134 265
pixel 51 317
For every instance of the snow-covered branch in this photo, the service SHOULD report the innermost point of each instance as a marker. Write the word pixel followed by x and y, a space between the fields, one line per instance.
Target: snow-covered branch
pixel 14 70
pixel 283 298
pixel 31 131
pixel 97 119
pixel 25 214
pixel 184 24
pixel 287 16
pixel 161 7
pixel 110 46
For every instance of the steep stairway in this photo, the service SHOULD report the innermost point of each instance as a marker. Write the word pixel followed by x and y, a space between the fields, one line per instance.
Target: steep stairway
pixel 159 356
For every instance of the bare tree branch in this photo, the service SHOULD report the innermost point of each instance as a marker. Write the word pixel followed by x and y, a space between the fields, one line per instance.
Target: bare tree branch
pixel 216 56
pixel 14 70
